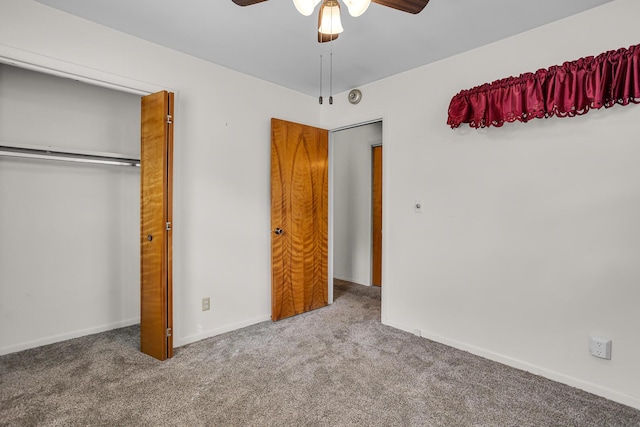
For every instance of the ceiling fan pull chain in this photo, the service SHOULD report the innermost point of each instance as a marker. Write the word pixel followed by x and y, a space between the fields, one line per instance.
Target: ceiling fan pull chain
pixel 331 78
pixel 320 98
pixel 331 68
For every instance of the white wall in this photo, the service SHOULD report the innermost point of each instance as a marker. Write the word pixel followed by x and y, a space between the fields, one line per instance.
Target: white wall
pixel 352 201
pixel 221 176
pixel 69 232
pixel 529 240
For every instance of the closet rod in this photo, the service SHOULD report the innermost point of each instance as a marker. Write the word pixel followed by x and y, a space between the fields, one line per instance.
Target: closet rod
pixel 64 155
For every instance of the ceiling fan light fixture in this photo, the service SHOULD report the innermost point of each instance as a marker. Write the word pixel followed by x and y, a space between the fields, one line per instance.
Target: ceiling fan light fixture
pixel 357 7
pixel 305 7
pixel 330 18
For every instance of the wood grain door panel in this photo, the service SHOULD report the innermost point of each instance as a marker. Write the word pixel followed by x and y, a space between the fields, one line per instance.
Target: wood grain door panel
pixel 376 190
pixel 156 166
pixel 299 207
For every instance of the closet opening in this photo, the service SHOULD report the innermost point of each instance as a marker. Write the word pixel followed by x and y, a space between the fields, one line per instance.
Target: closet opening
pixel 70 206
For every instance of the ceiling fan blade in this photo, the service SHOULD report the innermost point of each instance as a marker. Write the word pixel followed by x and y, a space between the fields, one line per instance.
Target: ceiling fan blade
pixel 246 2
pixel 411 6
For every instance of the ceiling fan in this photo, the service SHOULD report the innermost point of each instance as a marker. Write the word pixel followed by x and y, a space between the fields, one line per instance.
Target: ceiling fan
pixel 329 25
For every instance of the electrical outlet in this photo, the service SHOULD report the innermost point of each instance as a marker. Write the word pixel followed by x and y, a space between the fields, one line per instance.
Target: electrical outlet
pixel 600 347
pixel 206 304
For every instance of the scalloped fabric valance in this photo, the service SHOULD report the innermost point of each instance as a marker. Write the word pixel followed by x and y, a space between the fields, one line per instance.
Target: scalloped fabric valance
pixel 566 90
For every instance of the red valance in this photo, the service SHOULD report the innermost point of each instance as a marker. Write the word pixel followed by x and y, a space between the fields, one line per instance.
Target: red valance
pixel 570 89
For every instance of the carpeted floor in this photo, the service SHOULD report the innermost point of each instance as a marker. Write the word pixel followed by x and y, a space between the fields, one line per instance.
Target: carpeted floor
pixel 337 366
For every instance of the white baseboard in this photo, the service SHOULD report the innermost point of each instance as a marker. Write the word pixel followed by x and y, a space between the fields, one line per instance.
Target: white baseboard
pixel 217 331
pixel 587 386
pixel 67 336
pixel 177 342
pixel 347 279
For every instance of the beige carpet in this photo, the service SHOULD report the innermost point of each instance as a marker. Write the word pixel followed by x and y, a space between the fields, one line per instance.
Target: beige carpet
pixel 337 366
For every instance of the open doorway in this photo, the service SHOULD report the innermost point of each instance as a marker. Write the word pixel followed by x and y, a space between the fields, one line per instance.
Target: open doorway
pixel 353 256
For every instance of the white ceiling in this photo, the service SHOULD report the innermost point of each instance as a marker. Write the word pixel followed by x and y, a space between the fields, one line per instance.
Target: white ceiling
pixel 273 42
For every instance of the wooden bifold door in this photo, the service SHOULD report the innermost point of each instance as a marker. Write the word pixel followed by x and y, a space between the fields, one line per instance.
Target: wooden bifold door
pixel 156 218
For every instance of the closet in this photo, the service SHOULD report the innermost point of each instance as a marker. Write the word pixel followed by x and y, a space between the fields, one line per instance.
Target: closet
pixel 69 230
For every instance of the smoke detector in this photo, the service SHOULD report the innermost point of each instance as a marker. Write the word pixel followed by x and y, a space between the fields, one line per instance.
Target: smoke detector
pixel 355 96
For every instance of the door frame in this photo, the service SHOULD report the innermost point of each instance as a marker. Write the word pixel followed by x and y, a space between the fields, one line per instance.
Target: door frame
pixel 55 67
pixel 385 201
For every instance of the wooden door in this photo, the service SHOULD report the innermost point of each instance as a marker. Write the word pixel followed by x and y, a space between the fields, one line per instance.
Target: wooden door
pixel 156 170
pixel 376 203
pixel 299 218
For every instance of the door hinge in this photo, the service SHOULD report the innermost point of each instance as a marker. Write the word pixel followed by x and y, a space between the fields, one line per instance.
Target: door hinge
pixel 168 226
pixel 169 119
pixel 168 332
